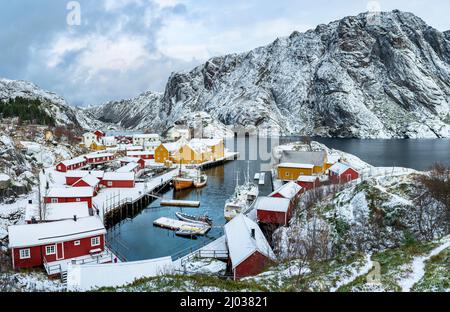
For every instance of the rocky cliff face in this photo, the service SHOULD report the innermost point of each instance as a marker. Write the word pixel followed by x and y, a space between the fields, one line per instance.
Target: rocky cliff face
pixel 357 77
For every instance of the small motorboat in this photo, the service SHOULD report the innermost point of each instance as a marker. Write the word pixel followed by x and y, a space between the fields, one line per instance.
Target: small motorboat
pixel 187 233
pixel 201 181
pixel 203 220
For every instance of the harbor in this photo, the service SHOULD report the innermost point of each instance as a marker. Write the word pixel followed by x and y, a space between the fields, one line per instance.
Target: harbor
pixel 139 239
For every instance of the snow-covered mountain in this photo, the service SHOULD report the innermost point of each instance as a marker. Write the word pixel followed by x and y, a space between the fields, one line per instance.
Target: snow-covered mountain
pixel 366 77
pixel 53 104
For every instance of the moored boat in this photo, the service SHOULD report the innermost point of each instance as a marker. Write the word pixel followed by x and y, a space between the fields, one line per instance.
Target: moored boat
pixel 203 220
pixel 182 183
pixel 242 200
pixel 201 180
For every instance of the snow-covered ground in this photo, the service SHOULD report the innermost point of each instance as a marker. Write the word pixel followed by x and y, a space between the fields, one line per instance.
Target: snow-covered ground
pixel 418 266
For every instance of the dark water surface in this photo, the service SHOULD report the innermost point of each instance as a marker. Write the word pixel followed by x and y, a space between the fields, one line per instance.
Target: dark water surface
pixel 138 239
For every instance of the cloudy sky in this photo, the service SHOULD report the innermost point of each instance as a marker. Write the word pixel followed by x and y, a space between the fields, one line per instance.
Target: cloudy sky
pixel 124 47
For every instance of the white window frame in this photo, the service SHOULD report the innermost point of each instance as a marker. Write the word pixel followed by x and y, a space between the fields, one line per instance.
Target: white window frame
pixel 95 241
pixel 24 253
pixel 77 243
pixel 54 200
pixel 78 200
pixel 47 253
pixel 110 183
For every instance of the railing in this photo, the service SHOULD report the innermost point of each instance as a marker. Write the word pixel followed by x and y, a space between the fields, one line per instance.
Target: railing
pixel 214 254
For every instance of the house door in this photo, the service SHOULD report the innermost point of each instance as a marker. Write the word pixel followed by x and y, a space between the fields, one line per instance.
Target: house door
pixel 59 251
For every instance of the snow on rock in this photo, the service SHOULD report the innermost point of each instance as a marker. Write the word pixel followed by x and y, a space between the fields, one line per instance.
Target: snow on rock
pixel 355 273
pixel 348 78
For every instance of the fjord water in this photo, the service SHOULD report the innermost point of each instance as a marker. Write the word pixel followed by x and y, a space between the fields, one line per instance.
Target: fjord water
pixel 138 239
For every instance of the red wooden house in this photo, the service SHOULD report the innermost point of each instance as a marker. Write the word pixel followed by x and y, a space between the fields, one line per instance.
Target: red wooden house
pixel 290 190
pixel 131 167
pixel 308 182
pixel 248 250
pixel 71 164
pixel 88 181
pixel 74 176
pixel 96 159
pixel 69 195
pixel 118 180
pixel 34 245
pixel 141 154
pixel 273 210
pixel 341 173
pixel 126 160
pixel 99 134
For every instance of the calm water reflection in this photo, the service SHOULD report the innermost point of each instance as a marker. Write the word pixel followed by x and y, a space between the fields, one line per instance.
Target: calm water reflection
pixel 138 239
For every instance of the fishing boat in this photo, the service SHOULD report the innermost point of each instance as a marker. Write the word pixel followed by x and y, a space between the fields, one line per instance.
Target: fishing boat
pixel 242 200
pixel 203 220
pixel 182 183
pixel 201 180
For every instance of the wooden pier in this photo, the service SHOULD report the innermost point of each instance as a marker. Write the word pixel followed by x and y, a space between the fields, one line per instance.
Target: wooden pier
pixel 117 209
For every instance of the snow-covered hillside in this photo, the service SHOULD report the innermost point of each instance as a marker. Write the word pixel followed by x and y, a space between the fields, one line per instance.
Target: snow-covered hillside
pixel 53 104
pixel 350 78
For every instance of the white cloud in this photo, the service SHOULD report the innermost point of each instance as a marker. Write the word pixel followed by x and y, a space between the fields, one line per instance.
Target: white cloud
pixel 186 39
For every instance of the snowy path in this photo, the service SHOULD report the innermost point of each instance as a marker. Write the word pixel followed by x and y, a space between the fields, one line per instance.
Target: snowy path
pixel 418 266
pixel 355 274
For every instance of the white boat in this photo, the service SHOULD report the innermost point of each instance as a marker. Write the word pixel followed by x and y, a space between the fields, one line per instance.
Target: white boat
pixel 262 178
pixel 256 176
pixel 242 200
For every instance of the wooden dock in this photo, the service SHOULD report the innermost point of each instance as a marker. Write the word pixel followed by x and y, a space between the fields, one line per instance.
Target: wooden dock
pixel 175 225
pixel 180 203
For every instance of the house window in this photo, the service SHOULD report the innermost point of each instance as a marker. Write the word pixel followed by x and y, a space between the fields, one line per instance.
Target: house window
pixel 50 250
pixel 287 174
pixel 25 254
pixel 95 241
pixel 54 200
pixel 77 243
pixel 110 183
pixel 78 200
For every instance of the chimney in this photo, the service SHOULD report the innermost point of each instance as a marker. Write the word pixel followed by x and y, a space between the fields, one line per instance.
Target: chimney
pixel 75 218
pixel 253 233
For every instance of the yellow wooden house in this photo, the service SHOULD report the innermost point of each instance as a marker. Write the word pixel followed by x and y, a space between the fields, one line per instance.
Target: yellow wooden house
pixel 292 171
pixel 293 164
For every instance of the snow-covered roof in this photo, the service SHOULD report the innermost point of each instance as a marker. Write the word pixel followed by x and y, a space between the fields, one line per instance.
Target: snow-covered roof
pixel 339 168
pixel 82 173
pixel 288 190
pixel 207 142
pixel 128 168
pixel 47 233
pixel 90 180
pixel 295 165
pixel 304 157
pixel 129 159
pixel 140 153
pixel 332 159
pixel 89 276
pixel 276 204
pixel 146 136
pixel 73 161
pixel 241 244
pixel 304 178
pixel 70 192
pixel 90 156
pixel 57 212
pixel 171 147
pixel 118 176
